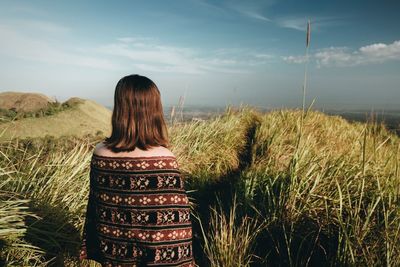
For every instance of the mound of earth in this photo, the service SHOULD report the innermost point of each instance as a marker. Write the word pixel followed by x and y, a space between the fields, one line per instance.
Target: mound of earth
pixel 82 118
pixel 25 102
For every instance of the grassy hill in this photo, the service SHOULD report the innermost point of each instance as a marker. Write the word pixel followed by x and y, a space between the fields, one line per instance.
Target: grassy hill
pixel 322 193
pixel 26 102
pixel 81 118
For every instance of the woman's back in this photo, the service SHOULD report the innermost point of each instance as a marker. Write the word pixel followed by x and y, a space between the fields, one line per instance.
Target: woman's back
pixel 102 150
pixel 138 212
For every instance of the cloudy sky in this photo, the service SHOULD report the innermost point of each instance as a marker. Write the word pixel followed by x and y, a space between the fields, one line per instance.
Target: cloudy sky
pixel 213 52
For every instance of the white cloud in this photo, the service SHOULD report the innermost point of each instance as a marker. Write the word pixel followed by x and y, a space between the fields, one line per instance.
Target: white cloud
pixel 345 57
pixel 293 23
pixel 264 56
pixel 370 54
pixel 252 10
pixel 135 40
pixel 46 42
pixel 254 15
pixel 339 56
pixel 30 43
pixel 148 55
pixel 295 59
pixel 382 51
pixel 300 23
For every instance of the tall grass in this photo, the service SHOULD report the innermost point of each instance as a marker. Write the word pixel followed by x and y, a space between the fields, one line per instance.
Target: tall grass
pixel 212 148
pixel 331 199
pixel 53 174
pixel 230 241
pixel 55 181
pixel 342 180
pixel 14 210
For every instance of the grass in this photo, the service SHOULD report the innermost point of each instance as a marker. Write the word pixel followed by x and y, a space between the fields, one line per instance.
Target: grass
pixel 14 250
pixel 56 183
pixel 210 149
pixel 342 181
pixel 78 120
pixel 262 197
pixel 51 108
pixel 230 242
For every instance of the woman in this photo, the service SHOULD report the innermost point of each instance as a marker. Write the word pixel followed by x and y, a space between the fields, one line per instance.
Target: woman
pixel 138 213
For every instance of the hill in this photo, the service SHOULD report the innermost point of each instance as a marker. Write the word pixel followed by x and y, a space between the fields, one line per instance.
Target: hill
pixel 26 102
pixel 325 195
pixel 82 118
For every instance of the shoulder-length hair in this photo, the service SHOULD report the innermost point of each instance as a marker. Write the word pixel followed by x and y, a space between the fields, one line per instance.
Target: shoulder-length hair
pixel 137 118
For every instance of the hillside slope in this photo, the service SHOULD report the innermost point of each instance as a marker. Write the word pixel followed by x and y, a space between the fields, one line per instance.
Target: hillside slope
pixel 87 117
pixel 25 102
pixel 328 197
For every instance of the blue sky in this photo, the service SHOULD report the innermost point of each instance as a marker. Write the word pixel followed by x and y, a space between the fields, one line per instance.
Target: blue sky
pixel 213 52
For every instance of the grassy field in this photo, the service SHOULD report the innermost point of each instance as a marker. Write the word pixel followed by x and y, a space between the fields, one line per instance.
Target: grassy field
pixel 263 193
pixel 84 117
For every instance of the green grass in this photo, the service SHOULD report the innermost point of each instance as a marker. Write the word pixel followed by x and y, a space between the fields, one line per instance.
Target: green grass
pixel 329 198
pixel 335 193
pixel 210 149
pixel 83 118
pixel 52 108
pixel 230 241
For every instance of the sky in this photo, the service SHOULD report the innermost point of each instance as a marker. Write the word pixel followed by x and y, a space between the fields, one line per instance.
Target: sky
pixel 213 53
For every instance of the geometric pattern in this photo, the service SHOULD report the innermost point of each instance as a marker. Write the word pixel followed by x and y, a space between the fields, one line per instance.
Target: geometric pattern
pixel 138 213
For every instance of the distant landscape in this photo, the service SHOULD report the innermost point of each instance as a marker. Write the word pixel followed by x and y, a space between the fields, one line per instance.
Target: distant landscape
pixel 390 118
pixel 37 115
pixel 265 188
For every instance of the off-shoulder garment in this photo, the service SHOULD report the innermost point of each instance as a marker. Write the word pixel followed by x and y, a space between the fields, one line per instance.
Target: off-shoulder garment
pixel 138 213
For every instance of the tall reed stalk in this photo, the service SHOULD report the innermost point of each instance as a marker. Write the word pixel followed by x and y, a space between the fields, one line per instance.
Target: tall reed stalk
pixel 308 39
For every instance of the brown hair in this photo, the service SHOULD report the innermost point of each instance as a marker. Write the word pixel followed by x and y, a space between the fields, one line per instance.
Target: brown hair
pixel 137 118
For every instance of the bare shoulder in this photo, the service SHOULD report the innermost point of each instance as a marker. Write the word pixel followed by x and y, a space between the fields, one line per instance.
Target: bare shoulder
pixel 163 151
pixel 99 146
pixel 102 150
